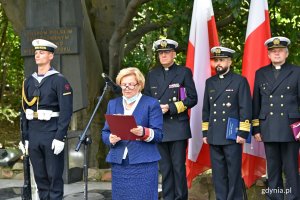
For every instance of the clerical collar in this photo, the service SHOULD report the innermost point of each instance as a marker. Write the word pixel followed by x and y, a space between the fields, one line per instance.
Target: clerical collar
pixel 277 67
pixel 168 68
pixel 221 76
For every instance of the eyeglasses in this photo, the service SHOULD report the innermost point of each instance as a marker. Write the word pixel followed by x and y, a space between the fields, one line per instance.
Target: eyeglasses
pixel 164 52
pixel 130 86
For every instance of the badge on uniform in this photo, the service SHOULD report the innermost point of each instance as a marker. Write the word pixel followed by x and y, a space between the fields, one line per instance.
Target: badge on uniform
pixel 174 85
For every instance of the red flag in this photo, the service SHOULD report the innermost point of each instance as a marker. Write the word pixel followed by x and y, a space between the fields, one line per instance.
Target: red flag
pixel 255 56
pixel 203 36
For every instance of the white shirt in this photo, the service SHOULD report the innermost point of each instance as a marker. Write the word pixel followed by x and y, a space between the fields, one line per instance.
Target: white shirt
pixel 129 112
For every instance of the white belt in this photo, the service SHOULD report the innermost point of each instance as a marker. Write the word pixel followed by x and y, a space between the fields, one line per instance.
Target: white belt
pixel 40 114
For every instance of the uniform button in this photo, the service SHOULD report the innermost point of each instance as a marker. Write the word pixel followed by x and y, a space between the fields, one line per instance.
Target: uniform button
pixel 170 99
pixel 288 87
pixel 223 112
pixel 215 112
pixel 174 92
pixel 281 105
pixel 223 120
pixel 215 105
pixel 281 96
pixel 155 93
pixel 171 117
pixel 174 99
pixel 271 113
pixel 159 100
pixel 223 104
pixel 210 97
pixel 215 120
pixel 228 97
pixel 264 88
pixel 271 96
pixel 281 114
pixel 271 105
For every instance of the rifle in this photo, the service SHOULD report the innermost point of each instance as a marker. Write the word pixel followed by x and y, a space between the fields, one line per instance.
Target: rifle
pixel 26 190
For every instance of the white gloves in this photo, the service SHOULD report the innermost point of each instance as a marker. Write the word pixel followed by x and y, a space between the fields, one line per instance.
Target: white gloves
pixel 23 148
pixel 57 146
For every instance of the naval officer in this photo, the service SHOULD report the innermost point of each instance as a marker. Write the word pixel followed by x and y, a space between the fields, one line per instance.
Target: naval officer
pixel 174 88
pixel 276 101
pixel 227 95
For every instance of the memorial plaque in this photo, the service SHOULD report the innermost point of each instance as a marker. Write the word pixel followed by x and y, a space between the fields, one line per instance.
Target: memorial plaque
pixel 65 38
pixel 61 22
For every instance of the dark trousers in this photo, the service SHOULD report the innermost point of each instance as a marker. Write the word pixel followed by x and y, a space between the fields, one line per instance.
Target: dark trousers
pixel 226 163
pixel 282 157
pixel 47 167
pixel 172 168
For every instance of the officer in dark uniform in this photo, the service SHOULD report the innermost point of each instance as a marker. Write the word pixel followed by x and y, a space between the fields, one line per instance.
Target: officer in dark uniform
pixel 226 95
pixel 174 88
pixel 276 101
pixel 47 102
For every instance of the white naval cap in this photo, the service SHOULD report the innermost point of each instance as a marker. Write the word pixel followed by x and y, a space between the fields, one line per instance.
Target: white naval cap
pixel 222 52
pixel 165 44
pixel 41 44
pixel 277 42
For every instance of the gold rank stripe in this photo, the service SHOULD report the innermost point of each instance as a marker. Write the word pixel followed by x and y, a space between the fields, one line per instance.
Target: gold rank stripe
pixel 180 106
pixel 67 93
pixel 245 126
pixel 205 126
pixel 255 122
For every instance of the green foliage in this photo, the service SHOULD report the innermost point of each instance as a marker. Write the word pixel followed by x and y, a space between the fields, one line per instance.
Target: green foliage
pixel 231 18
pixel 8 114
pixel 174 18
pixel 11 67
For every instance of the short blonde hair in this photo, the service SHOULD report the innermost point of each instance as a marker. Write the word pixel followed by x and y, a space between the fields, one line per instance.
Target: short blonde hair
pixel 131 71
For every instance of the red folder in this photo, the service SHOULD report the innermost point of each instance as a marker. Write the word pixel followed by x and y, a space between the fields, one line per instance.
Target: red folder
pixel 296 129
pixel 121 125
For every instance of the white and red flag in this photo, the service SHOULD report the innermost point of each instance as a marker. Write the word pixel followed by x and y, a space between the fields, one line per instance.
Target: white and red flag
pixel 203 36
pixel 255 56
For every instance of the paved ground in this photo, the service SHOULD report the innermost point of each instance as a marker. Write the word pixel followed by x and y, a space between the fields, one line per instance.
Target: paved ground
pixel 11 190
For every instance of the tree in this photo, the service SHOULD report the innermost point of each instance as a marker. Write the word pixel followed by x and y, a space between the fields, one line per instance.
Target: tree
pixel 120 33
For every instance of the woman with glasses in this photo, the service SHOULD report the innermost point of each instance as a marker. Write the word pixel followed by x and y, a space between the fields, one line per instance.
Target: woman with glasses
pixel 134 163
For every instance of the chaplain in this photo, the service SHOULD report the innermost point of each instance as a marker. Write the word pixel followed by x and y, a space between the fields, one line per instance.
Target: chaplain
pixel 276 100
pixel 226 99
pixel 173 86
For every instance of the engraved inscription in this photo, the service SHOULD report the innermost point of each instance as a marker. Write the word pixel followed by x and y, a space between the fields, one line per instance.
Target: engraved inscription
pixel 65 38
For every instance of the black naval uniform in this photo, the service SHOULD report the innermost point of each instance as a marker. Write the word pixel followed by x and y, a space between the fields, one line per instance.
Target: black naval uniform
pixel 52 93
pixel 223 98
pixel 164 85
pixel 276 101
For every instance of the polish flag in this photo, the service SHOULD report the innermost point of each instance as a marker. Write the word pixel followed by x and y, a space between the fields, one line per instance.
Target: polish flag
pixel 255 56
pixel 203 36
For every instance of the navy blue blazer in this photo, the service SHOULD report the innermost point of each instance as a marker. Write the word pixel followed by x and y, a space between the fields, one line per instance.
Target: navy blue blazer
pixel 147 114
pixel 276 103
pixel 223 98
